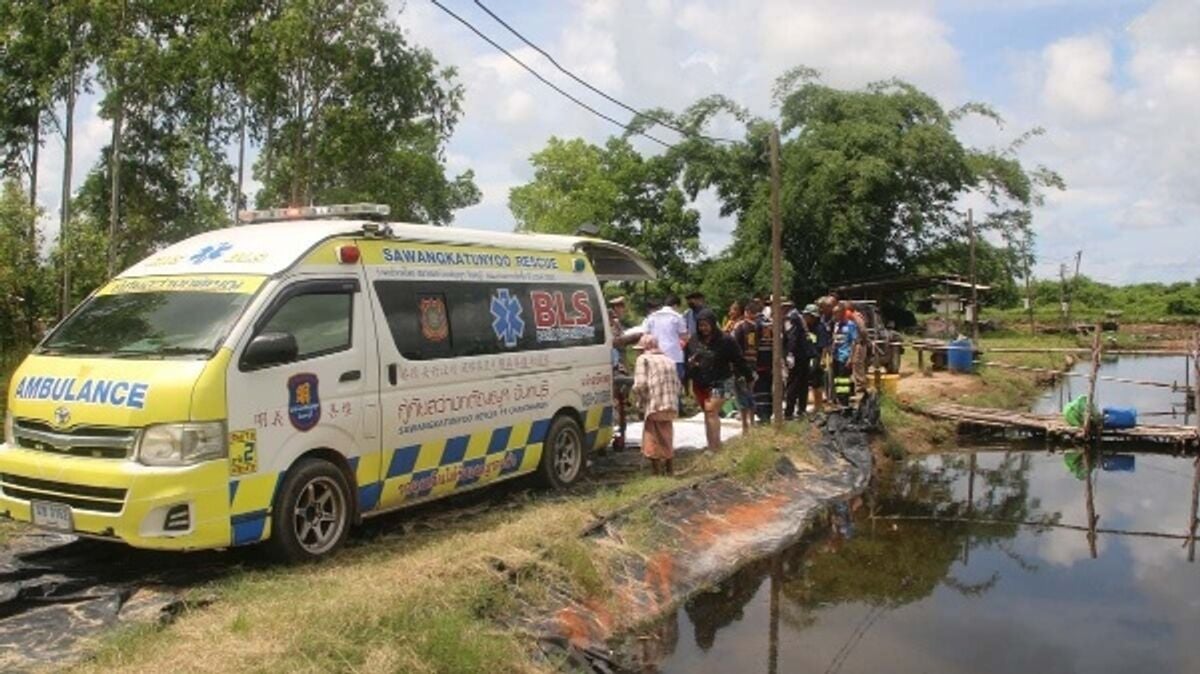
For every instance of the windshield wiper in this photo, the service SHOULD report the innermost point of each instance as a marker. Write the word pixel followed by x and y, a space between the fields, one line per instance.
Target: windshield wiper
pixel 71 348
pixel 163 351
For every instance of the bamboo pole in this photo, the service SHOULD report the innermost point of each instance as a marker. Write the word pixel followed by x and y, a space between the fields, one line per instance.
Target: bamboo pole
pixel 1174 386
pixel 1088 432
pixel 1196 479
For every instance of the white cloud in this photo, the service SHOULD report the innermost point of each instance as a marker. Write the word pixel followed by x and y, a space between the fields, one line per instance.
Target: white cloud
pixel 1120 102
pixel 1078 74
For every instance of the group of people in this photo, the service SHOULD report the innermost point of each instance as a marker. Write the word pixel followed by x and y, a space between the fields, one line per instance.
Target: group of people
pixel 727 364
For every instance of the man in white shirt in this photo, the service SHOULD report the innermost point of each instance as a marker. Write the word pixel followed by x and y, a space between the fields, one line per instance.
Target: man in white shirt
pixel 668 326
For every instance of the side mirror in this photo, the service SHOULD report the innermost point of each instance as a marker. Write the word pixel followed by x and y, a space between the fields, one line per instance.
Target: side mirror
pixel 270 348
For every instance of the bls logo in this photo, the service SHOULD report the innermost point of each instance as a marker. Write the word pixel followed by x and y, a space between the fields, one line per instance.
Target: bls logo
pixel 558 319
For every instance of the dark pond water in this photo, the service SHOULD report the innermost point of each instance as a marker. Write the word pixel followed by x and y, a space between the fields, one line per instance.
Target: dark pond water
pixel 897 593
pixel 943 578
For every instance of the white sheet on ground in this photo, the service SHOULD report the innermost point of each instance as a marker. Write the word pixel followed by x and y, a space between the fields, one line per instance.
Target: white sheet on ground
pixel 689 433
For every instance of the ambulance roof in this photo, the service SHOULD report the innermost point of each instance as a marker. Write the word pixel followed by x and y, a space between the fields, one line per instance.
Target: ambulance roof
pixel 272 247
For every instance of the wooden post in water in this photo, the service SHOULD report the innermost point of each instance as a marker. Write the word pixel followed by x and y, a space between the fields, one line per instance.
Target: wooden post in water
pixel 1195 480
pixel 1088 433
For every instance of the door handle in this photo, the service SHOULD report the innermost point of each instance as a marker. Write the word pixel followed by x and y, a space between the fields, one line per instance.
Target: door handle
pixel 392 374
pixel 350 375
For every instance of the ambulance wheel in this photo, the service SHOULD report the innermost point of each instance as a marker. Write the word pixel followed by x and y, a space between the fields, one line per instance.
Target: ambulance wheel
pixel 312 512
pixel 563 455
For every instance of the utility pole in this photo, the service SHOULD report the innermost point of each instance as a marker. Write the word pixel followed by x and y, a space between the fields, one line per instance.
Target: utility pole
pixel 777 315
pixel 1062 294
pixel 1029 295
pixel 1074 286
pixel 974 284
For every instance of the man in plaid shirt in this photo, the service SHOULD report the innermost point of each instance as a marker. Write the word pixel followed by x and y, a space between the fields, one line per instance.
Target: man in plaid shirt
pixel 656 382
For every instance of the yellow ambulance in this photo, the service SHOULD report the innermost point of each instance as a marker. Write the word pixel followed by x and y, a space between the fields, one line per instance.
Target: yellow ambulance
pixel 278 381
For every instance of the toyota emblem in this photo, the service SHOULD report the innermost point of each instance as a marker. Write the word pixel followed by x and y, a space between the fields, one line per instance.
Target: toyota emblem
pixel 62 417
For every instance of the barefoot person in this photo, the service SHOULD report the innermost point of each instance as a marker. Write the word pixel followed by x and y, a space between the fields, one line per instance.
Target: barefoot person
pixel 714 360
pixel 656 382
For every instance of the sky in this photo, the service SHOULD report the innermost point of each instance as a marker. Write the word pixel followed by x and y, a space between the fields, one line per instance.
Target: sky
pixel 1114 83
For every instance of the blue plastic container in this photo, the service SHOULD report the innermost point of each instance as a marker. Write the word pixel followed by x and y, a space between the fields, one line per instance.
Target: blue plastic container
pixel 1120 417
pixel 960 356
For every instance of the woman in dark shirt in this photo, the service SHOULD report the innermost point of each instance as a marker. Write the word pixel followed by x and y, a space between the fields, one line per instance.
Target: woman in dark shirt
pixel 714 360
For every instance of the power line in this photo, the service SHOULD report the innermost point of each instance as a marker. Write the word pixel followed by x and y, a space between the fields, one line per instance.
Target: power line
pixel 542 79
pixel 606 96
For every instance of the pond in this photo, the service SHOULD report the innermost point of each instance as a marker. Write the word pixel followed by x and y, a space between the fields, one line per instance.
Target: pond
pixel 942 579
pixel 1155 404
pixel 968 562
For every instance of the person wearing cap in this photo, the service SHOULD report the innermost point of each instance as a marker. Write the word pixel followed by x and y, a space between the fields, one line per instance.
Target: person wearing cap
pixel 657 386
pixel 621 381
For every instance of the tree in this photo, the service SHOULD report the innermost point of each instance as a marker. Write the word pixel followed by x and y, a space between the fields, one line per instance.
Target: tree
pixel 21 290
pixel 631 199
pixel 872 179
pixel 351 112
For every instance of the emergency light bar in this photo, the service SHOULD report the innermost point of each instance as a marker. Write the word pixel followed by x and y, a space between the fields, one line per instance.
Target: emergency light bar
pixel 365 211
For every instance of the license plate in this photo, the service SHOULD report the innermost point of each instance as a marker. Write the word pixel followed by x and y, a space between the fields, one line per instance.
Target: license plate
pixel 52 515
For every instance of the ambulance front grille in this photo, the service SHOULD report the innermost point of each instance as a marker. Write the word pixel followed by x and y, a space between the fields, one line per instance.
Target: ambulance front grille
pixel 83 497
pixel 99 442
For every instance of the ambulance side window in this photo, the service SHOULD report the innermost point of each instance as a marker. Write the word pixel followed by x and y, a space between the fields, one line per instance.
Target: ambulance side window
pixel 321 320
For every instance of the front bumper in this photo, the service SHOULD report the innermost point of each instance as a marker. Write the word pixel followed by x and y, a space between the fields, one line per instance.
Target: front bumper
pixel 121 499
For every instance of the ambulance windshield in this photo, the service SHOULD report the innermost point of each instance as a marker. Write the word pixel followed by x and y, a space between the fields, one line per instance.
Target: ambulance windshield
pixel 170 324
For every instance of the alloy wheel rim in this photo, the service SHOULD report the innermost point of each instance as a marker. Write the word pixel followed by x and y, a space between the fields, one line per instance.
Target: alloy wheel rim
pixel 319 516
pixel 568 455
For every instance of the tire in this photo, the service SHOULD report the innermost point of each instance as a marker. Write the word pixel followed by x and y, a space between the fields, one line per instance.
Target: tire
pixel 311 514
pixel 564 458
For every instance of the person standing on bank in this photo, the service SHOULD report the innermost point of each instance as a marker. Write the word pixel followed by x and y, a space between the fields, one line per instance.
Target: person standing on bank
pixel 621 380
pixel 798 351
pixel 819 339
pixel 656 383
pixel 669 328
pixel 715 363
pixel 695 303
pixel 845 339
pixel 747 334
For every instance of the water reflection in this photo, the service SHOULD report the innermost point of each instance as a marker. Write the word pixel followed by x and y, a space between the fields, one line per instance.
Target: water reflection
pixel 985 562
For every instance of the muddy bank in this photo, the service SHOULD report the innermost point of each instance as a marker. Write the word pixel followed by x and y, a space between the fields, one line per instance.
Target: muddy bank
pixel 694 538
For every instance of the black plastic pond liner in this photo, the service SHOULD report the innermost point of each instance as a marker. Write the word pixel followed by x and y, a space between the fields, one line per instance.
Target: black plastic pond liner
pixel 701 536
pixel 57 591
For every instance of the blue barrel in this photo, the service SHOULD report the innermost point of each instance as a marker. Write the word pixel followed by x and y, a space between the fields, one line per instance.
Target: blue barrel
pixel 1120 417
pixel 960 356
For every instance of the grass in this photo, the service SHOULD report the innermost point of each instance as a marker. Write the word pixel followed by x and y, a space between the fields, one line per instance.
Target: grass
pixel 907 432
pixel 432 601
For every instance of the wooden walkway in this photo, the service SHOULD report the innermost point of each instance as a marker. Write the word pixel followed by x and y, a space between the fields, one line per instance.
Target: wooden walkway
pixel 1053 427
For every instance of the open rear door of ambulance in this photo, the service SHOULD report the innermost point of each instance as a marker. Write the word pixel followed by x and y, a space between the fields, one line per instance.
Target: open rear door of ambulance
pixel 614 262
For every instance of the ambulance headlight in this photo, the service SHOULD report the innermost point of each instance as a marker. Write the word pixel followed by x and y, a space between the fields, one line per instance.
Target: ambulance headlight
pixel 182 444
pixel 9 438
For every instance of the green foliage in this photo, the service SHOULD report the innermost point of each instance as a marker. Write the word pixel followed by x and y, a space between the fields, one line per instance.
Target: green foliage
pixel 871 181
pixel 632 199
pixel 351 112
pixel 23 287
pixel 1090 299
pixel 994 266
